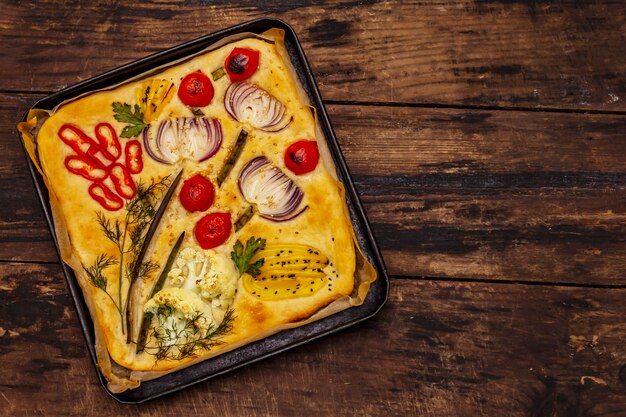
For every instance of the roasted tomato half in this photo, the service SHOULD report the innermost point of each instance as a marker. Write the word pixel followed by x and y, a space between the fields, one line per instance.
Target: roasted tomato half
pixel 197 194
pixel 213 230
pixel 302 156
pixel 196 90
pixel 241 64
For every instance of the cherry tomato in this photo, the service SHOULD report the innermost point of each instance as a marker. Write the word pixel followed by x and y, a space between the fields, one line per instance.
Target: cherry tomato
pixel 197 193
pixel 196 90
pixel 241 64
pixel 302 156
pixel 213 229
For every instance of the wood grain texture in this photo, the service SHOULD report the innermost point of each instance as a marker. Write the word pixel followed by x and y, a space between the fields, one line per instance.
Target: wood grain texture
pixel 24 234
pixel 437 349
pixel 498 195
pixel 450 193
pixel 566 54
pixel 487 140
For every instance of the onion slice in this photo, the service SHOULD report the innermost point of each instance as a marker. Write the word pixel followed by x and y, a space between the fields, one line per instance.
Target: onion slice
pixel 276 196
pixel 197 138
pixel 250 104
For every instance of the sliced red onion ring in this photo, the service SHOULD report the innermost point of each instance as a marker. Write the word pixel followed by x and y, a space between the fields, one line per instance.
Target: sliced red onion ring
pixel 251 104
pixel 276 196
pixel 197 138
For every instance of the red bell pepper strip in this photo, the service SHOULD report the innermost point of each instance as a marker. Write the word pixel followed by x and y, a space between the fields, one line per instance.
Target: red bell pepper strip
pixel 100 155
pixel 107 198
pixel 84 145
pixel 123 182
pixel 86 167
pixel 133 157
pixel 107 138
pixel 76 139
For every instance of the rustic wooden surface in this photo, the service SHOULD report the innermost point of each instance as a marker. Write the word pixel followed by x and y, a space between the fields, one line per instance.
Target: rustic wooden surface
pixel 487 140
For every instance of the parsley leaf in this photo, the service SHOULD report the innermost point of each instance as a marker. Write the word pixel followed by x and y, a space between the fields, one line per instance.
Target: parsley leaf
pixel 241 256
pixel 123 113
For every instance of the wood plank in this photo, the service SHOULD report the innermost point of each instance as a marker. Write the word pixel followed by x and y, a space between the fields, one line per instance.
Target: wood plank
pixel 24 234
pixel 497 53
pixel 450 349
pixel 499 195
pixel 450 193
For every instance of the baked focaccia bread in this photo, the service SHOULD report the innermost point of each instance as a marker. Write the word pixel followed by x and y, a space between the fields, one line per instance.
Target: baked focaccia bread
pixel 199 208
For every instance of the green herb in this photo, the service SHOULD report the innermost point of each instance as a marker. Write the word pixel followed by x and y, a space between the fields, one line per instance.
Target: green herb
pixel 168 265
pixel 127 237
pixel 123 113
pixel 147 317
pixel 197 112
pixel 175 342
pixel 244 218
pixel 232 158
pixel 241 256
pixel 143 212
pixel 218 73
pixel 142 209
pixel 96 273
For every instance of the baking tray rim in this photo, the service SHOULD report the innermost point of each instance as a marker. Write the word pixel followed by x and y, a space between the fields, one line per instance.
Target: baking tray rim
pixel 366 310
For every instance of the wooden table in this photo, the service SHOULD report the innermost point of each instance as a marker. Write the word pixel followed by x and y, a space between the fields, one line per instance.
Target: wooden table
pixel 488 144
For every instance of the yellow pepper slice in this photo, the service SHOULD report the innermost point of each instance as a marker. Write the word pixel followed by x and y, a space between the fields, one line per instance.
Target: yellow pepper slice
pixel 153 96
pixel 289 271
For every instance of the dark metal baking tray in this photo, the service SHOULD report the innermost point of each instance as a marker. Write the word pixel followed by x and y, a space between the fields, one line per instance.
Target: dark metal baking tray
pixel 271 345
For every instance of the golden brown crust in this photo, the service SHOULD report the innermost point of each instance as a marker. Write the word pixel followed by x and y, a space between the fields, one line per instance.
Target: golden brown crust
pixel 325 225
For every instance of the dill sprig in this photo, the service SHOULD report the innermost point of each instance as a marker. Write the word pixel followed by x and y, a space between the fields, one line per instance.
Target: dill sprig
pixel 111 230
pixel 141 210
pixel 128 236
pixel 179 341
pixel 140 267
pixel 95 273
